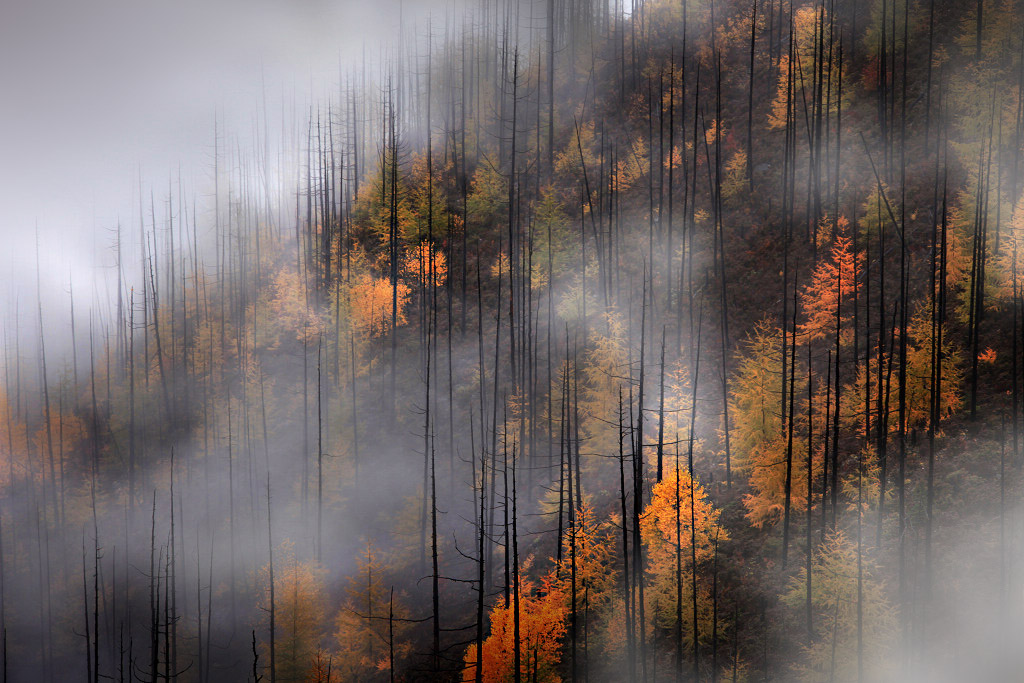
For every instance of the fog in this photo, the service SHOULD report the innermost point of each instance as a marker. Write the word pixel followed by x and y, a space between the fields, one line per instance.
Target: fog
pixel 100 96
pixel 219 356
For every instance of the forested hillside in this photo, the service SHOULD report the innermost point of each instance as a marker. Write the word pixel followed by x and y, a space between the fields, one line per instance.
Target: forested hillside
pixel 563 341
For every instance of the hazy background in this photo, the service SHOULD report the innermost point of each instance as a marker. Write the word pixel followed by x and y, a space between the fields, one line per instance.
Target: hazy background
pixel 95 94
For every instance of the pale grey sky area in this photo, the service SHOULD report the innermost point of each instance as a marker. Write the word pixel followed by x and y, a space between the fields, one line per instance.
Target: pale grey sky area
pixel 93 93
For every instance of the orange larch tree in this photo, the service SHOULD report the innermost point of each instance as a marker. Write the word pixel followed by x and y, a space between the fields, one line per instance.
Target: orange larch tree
pixel 833 285
pixel 365 623
pixel 672 544
pixel 423 261
pixel 542 615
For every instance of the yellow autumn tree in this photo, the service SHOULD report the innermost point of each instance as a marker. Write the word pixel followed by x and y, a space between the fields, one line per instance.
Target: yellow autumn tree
pixel 542 615
pixel 836 599
pixel 1008 264
pixel 372 212
pixel 554 241
pixel 920 370
pixel 290 314
pixel 961 245
pixel 761 434
pixel 568 161
pixel 735 180
pixel 631 166
pixel 600 377
pixel 766 500
pixel 370 304
pixel 428 208
pixel 425 265
pixel 780 111
pixel 859 414
pixel 678 402
pixel 798 77
pixel 595 575
pixel 298 613
pixel 364 623
pixel 488 198
pixel 918 381
pixel 668 534
pixel 861 487
pixel 756 393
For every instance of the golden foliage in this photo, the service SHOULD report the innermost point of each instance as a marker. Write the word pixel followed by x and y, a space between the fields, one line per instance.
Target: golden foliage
pixel 371 304
pixel 808 26
pixel 1007 266
pixel 766 502
pixel 833 283
pixel 836 599
pixel 425 265
pixel 670 504
pixel 668 534
pixel 601 376
pixel 500 267
pixel 427 207
pixel 488 197
pixel 298 612
pixel 779 115
pixel 554 240
pixel 919 372
pixel 290 311
pixel 860 488
pixel 756 393
pixel 542 614
pixel 678 401
pixel 918 382
pixel 595 576
pixel 761 436
pixel 735 179
pixel 712 131
pixel 568 162
pixel 362 628
pixel 960 248
pixel 631 166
